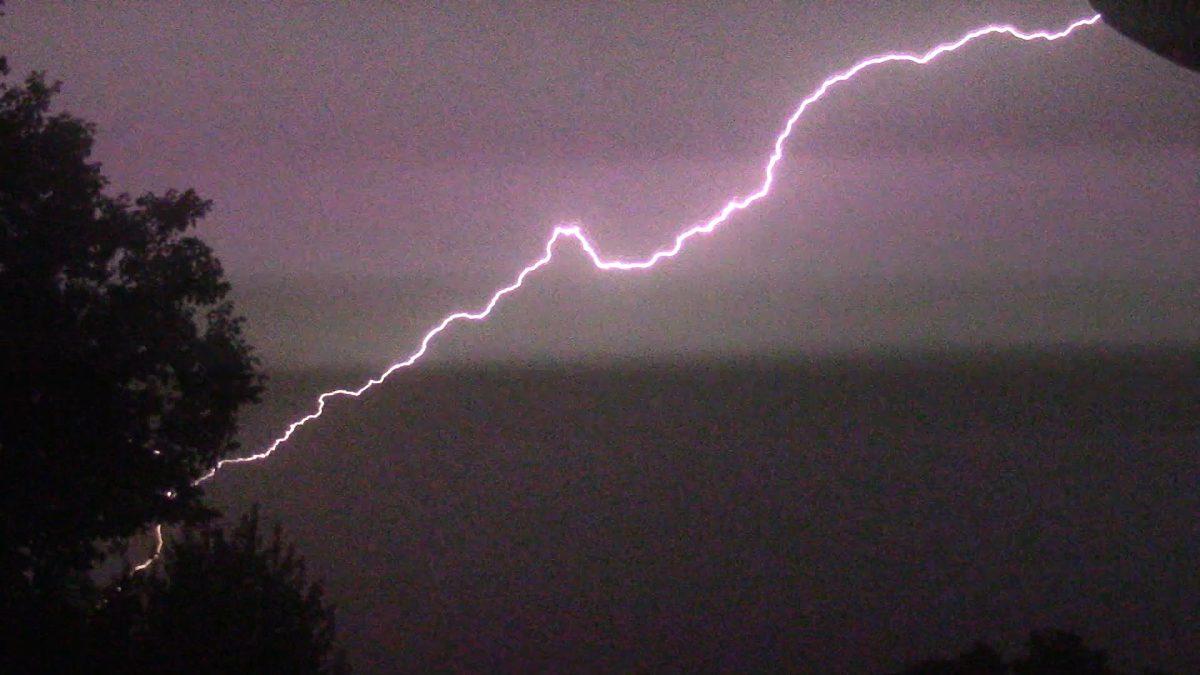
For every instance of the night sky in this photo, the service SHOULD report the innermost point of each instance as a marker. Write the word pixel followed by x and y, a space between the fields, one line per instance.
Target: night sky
pixel 378 165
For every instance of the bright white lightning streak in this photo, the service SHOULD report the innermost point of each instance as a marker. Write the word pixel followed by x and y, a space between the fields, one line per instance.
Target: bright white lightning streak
pixel 574 231
pixel 158 547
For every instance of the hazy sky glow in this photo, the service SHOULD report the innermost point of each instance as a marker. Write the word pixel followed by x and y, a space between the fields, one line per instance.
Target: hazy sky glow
pixel 376 166
pixel 430 151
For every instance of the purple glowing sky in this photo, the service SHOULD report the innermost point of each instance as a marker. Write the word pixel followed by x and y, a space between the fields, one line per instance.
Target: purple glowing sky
pixel 377 166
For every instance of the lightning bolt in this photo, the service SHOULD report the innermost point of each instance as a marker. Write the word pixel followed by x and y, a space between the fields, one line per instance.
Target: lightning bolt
pixel 158 547
pixel 575 232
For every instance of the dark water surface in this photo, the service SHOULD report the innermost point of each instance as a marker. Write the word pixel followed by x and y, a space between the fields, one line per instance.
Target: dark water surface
pixel 841 514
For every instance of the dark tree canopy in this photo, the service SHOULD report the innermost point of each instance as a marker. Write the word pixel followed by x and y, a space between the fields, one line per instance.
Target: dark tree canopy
pixel 122 364
pixel 1048 652
pixel 122 369
pixel 220 602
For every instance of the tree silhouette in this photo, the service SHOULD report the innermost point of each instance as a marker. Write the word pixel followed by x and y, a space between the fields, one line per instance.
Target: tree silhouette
pixel 1048 652
pixel 220 603
pixel 122 365
pixel 1055 651
pixel 122 368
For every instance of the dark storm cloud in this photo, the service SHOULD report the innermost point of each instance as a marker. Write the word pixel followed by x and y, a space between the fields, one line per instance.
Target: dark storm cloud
pixel 438 145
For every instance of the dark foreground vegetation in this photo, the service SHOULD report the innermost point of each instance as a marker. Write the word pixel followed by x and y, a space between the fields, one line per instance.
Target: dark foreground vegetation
pixel 1048 652
pixel 122 370
pixel 219 601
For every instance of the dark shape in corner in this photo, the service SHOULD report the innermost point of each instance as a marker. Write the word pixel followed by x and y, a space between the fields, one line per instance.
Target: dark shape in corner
pixel 1170 28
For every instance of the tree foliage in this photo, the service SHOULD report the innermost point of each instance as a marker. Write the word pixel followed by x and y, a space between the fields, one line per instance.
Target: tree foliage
pixel 122 369
pixel 219 602
pixel 122 363
pixel 1048 652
